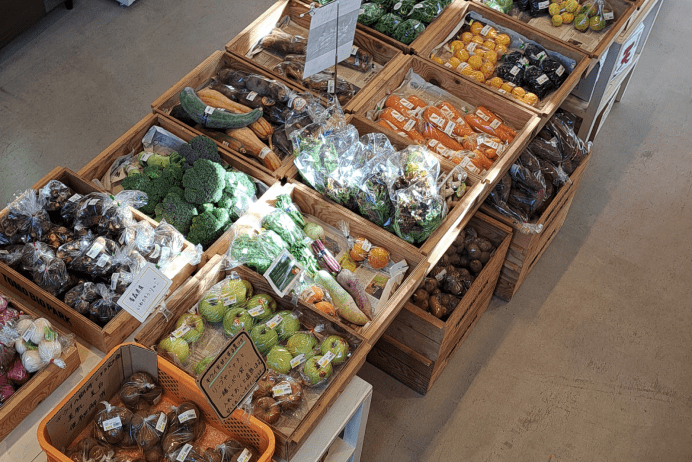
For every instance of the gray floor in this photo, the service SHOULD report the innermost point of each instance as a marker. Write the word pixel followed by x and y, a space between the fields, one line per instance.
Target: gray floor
pixel 590 361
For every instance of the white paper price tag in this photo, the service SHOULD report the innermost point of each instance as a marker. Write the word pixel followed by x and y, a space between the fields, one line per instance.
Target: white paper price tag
pixel 483 116
pixel 94 250
pixel 515 70
pixel 112 424
pixel 230 300
pixel 187 415
pixel 486 30
pixel 330 86
pixel 74 198
pixel 92 202
pixel 354 50
pixel 366 245
pixel 245 455
pixel 263 153
pixel 184 452
pixel 608 16
pixel 284 388
pixel 450 127
pixel 560 70
pixel 146 156
pixel 326 359
pixel 145 292
pixel 114 280
pixel 542 79
pixel 495 123
pixel 441 275
pixel 256 311
pixel 209 110
pixel 543 5
pixel 29 333
pixel 406 103
pixel 251 96
pixel 297 361
pixel 102 261
pixel 161 423
pixel 409 125
pixel 180 331
pixel 275 321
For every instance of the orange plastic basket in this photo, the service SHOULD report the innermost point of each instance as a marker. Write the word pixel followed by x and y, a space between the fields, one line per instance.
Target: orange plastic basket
pixel 177 387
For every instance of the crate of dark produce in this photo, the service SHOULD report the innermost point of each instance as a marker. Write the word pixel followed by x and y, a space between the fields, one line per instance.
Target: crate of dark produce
pixel 313 356
pixel 403 24
pixel 535 196
pixel 142 407
pixel 277 42
pixel 223 97
pixel 72 250
pixel 154 139
pixel 445 307
pixel 33 363
pixel 590 26
pixel 512 59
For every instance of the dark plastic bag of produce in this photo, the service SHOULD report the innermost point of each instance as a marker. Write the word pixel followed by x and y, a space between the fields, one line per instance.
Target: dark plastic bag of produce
pixel 548 149
pixel 185 424
pixel 534 53
pixel 556 72
pixel 386 4
pixel 408 31
pixel 537 82
pixel 111 423
pixel 426 11
pixel 515 57
pixel 89 449
pixel 81 297
pixel 370 13
pixel 140 237
pixel 12 255
pixel 523 176
pixel 387 24
pixel 523 5
pixel 282 42
pixel 538 7
pixel 50 274
pixel 33 253
pixel 97 259
pixel 26 219
pixel 513 73
pixel 553 173
pixel 104 308
pixel 107 214
pixel 528 160
pixel 528 202
pixel 562 127
pixel 54 195
pixel 69 251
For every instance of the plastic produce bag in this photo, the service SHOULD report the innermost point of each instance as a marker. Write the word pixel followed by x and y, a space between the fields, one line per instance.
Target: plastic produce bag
pixel 538 7
pixel 111 423
pixel 97 258
pixel 160 141
pixel 256 250
pixel 573 148
pixel 105 307
pixel 12 255
pixel 140 386
pixel 81 296
pixel 408 31
pixel 556 72
pixel 504 6
pixel 139 237
pixel 370 13
pixel 107 214
pixel 50 274
pixel 185 425
pixel 26 220
pixel 388 23
pixel 537 82
pixel 513 73
pixel 54 195
pixel 426 11
pixel 282 42
pixel 34 253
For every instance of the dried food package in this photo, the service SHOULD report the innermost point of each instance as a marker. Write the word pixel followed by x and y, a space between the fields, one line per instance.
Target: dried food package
pixel 34 253
pixel 98 258
pixel 54 195
pixel 534 53
pixel 12 255
pixel 513 73
pixel 111 423
pixel 538 7
pixel 89 449
pixel 69 251
pixel 105 307
pixel 360 60
pixel 139 237
pixel 81 297
pixel 562 127
pixel 68 211
pixel 168 243
pixel 58 235
pixel 524 177
pixel 515 57
pixel 26 219
pixel 232 77
pixel 556 72
pixel 548 149
pixel 50 274
pixel 285 43
pixel 528 202
pixel 107 214
pixel 185 425
pixel 537 82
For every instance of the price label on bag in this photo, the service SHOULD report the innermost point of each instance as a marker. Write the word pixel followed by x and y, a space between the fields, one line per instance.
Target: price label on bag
pixel 284 388
pixel 275 321
pixel 112 424
pixel 244 456
pixel 187 415
pixel 161 423
pixel 297 361
pixel 145 293
pixel 180 331
pixel 184 452
pixel 326 359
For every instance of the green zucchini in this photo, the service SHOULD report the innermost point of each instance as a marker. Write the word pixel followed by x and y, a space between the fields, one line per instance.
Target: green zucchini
pixel 211 117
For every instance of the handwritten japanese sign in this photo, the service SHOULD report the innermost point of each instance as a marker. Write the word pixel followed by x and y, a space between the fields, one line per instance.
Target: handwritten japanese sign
pixel 145 293
pixel 232 375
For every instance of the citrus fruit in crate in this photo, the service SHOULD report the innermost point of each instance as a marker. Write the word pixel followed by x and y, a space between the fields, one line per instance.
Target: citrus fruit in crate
pixel 487 68
pixel 589 9
pixel 491 56
pixel 581 22
pixel 571 6
pixel 437 59
pixel 597 23
pixel 378 257
pixel 531 99
pixel 456 45
pixel 507 86
pixel 475 62
pixel 518 92
pixel 467 70
pixel 501 50
pixel 554 9
pixel 462 55
pixel 466 37
pixel 312 294
pixel 476 28
pixel 478 39
pixel 557 20
pixel 503 39
pixel 454 62
pixel 478 76
pixel 495 82
pixel 326 308
pixel 567 18
pixel 489 44
pixel 360 249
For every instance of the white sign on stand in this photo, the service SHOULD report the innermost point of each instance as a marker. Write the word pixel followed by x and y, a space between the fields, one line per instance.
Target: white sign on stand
pixel 322 41
pixel 145 293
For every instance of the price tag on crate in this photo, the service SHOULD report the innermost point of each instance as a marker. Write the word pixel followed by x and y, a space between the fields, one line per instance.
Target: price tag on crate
pixel 145 293
pixel 232 375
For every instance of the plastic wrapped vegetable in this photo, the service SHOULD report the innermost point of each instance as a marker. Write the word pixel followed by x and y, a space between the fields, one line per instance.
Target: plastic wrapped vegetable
pixel 538 7
pixel 11 255
pixel 371 13
pixel 26 220
pixel 404 7
pixel 387 24
pixel 185 425
pixel 97 258
pixel 257 251
pixel 106 214
pixel 50 274
pixel 556 72
pixel 503 6
pixel 140 386
pixel 537 82
pixel 54 195
pixel 105 307
pixel 81 296
pixel 426 11
pixel 285 203
pixel 282 224
pixel 408 31
pixel 140 237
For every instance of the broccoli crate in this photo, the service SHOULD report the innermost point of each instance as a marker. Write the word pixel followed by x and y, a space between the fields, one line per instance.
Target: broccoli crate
pixel 246 43
pixel 289 436
pixel 99 168
pixel 460 13
pixel 44 382
pixel 526 249
pixel 417 346
pixel 71 418
pixel 593 43
pixel 118 328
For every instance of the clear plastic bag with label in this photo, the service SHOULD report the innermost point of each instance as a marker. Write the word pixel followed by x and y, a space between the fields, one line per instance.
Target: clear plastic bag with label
pixel 561 125
pixel 140 237
pixel 111 423
pixel 81 296
pixel 231 451
pixel 108 214
pixel 12 255
pixel 98 258
pixel 26 219
pixel 50 274
pixel 278 395
pixel 254 249
pixel 54 195
pixel 185 425
pixel 106 307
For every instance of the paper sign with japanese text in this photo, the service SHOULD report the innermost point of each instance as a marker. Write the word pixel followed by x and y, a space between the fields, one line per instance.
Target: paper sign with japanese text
pixel 145 293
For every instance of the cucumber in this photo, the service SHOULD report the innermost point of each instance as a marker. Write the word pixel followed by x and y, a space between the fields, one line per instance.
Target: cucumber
pixel 210 117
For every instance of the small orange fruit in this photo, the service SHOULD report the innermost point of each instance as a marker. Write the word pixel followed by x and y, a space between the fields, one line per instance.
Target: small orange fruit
pixel 487 68
pixel 501 50
pixel 360 249
pixel 495 82
pixel 530 98
pixel 475 62
pixel 462 55
pixel 438 60
pixel 466 37
pixel 518 93
pixel 476 27
pixel 467 70
pixel 478 75
pixel 456 45
pixel 489 44
pixel 454 62
pixel 326 307
pixel 378 257
pixel 508 87
pixel 491 55
pixel 477 39
pixel 503 39
pixel 312 294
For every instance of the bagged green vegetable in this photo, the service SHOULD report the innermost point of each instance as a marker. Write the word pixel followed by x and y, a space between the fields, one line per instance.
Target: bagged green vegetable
pixel 500 5
pixel 426 11
pixel 404 7
pixel 408 30
pixel 388 24
pixel 257 251
pixel 283 225
pixel 386 4
pixel 371 13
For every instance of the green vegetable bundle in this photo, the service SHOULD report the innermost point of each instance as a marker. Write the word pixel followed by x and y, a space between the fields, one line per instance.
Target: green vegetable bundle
pixel 372 12
pixel 283 225
pixel 408 31
pixel 388 23
pixel 257 251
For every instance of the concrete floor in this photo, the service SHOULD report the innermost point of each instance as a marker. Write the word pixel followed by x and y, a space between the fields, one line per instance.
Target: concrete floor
pixel 591 359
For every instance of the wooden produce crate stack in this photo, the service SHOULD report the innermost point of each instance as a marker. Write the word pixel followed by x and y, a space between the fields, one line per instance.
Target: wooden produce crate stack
pixel 417 346
pixel 44 382
pixel 199 78
pixel 287 442
pixel 118 328
pixel 383 54
pixel 457 14
pixel 131 141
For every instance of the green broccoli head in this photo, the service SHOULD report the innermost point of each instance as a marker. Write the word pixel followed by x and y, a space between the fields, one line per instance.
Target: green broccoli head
pixel 156 160
pixel 177 159
pixel 204 182
pixel 205 208
pixel 223 216
pixel 174 174
pixel 156 182
pixel 199 147
pixel 177 212
pixel 205 229
pixel 178 191
pixel 239 181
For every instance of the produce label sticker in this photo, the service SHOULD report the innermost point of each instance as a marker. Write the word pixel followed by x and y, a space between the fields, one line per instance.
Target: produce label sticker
pixel 145 293
pixel 441 275
pixel 161 423
pixel 486 30
pixel 256 311
pixel 495 123
pixel 245 455
pixel 29 333
pixel 114 280
pixel 4 252
pixel 450 127
pixel 232 375
pixel 263 153
pixel 146 156
pixel 297 361
pixel 284 388
pixel 180 331
pixel 102 261
pixel 92 202
pixel 608 16
pixel 283 273
pixel 184 451
pixel 187 415
pixel 326 359
pixel 482 115
pixel 543 5
pixel 354 50
pixel 542 79
pixel 560 70
pixel 230 300
pixel 251 96
pixel 406 103
pixel 275 321
pixel 94 250
pixel 74 198
pixel 112 424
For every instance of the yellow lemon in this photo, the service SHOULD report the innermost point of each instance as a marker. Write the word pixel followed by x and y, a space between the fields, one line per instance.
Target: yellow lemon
pixel 557 20
pixel 487 68
pixel 530 98
pixel 456 45
pixel 467 70
pixel 503 39
pixel 553 9
pixel 475 62
pixel 489 44
pixel 478 76
pixel 466 37
pixel 495 82
pixel 491 56
pixel 462 55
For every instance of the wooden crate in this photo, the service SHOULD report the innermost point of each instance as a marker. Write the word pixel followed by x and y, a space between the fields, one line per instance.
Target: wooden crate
pixel 382 52
pixel 422 38
pixel 122 325
pixel 132 141
pixel 417 346
pixel 44 382
pixel 457 14
pixel 526 249
pixel 199 78
pixel 287 444
pixel 594 44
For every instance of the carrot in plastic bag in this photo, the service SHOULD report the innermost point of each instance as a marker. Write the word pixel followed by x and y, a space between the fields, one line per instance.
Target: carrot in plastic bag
pixel 436 117
pixel 454 115
pixel 480 125
pixel 416 101
pixel 496 123
pixel 404 106
pixel 412 134
pixel 431 132
pixel 490 146
pixel 397 119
